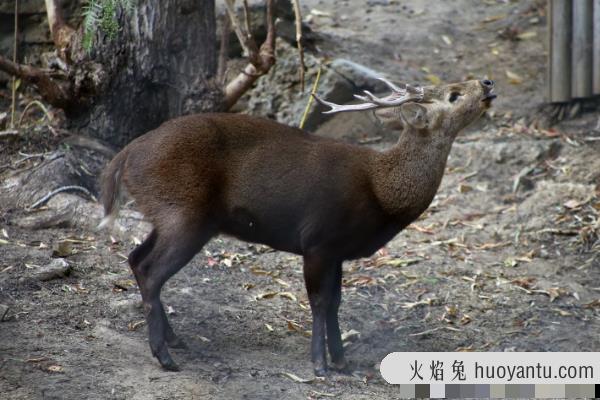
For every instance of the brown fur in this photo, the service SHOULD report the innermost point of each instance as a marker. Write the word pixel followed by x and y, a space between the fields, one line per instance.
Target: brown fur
pixel 260 181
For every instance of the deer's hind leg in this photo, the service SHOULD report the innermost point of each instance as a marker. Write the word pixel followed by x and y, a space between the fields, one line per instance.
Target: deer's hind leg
pixel 135 259
pixel 168 249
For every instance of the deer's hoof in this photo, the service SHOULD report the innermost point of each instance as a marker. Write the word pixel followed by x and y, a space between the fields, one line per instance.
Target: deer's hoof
pixel 170 366
pixel 341 366
pixel 321 371
pixel 165 360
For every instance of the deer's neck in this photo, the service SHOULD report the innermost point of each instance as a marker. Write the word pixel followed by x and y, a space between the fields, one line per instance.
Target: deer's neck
pixel 407 176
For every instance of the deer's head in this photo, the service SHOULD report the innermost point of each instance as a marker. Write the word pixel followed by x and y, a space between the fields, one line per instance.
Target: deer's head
pixel 438 110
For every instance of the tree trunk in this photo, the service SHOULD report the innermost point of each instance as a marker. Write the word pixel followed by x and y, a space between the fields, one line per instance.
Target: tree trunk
pixel 161 65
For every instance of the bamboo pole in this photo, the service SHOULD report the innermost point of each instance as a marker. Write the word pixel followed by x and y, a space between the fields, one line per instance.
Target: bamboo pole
pixel 560 50
pixel 582 48
pixel 596 56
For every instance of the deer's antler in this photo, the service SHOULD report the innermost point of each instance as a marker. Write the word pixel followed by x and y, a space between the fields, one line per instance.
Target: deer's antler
pixel 399 95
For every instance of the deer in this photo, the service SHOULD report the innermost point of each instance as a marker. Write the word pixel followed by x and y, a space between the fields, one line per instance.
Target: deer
pixel 260 181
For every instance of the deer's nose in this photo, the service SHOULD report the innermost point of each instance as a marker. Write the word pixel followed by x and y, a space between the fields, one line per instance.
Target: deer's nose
pixel 487 84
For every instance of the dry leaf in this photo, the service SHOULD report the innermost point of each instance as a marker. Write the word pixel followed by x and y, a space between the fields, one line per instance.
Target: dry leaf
pixel 514 78
pixel 55 368
pixel 493 18
pixel 424 302
pixel 527 35
pixel 525 283
pixel 510 262
pixel 268 295
pixel 452 311
pixel 434 79
pixel 124 284
pixel 319 13
pixel 282 282
pixel 288 295
pixel 562 313
pixel 293 326
pixel 350 336
pixel 463 188
pixel 258 271
pixel 132 326
pixel 573 204
pixel 296 378
pixel 555 292
pixel 396 262
pixel 421 229
pixel 592 304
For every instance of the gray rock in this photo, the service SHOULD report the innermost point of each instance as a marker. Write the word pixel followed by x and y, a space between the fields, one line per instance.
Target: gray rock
pixel 362 77
pixel 278 95
pixel 57 268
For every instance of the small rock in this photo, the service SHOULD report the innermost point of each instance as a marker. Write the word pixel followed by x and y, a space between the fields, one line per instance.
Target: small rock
pixel 57 268
pixel 362 77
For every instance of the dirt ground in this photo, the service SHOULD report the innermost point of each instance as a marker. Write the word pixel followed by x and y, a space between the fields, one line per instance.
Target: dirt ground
pixel 505 259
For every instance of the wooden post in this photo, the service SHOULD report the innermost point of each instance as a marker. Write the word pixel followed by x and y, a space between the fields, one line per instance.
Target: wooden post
pixel 560 50
pixel 596 47
pixel 581 81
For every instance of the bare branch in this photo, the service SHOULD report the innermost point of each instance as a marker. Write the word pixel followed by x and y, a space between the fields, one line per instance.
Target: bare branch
pixel 53 90
pixel 60 31
pixel 260 61
pixel 223 50
pixel 298 16
pixel 247 20
pixel 245 38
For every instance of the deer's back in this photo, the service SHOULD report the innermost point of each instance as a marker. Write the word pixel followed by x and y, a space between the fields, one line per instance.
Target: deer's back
pixel 257 179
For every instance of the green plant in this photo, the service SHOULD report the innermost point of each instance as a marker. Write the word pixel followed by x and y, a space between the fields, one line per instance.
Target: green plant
pixel 102 15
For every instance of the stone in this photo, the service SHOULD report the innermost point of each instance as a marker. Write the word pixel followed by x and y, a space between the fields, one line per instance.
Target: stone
pixel 55 269
pixel 277 95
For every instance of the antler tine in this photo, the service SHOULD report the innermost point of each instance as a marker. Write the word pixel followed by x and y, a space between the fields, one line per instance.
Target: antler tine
pixel 363 98
pixel 335 108
pixel 391 85
pixel 414 89
pixel 396 98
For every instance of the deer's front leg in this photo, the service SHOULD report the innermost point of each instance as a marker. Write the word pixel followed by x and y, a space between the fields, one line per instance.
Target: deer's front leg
pixel 320 276
pixel 334 337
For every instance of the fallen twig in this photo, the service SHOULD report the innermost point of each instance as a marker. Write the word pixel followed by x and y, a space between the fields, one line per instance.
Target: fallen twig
pixel 59 190
pixel 427 332
pixel 33 103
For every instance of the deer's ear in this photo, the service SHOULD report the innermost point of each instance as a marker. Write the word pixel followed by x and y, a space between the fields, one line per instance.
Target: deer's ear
pixel 415 115
pixel 390 118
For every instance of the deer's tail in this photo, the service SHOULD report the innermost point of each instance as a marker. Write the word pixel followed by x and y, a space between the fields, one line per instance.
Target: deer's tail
pixel 110 191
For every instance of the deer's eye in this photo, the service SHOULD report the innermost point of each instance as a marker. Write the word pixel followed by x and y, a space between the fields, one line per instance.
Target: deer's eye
pixel 454 96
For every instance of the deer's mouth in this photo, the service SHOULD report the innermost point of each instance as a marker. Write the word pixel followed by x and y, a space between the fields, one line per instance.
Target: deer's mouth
pixel 487 99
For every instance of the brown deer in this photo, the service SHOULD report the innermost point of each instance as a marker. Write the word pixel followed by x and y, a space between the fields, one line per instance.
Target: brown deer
pixel 260 181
